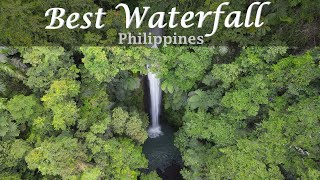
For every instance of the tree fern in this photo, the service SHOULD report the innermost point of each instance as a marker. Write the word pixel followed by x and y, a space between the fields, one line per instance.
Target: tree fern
pixel 3 87
pixel 17 62
pixel 11 71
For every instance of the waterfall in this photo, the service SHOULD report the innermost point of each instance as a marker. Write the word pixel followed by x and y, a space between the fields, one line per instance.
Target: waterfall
pixel 155 97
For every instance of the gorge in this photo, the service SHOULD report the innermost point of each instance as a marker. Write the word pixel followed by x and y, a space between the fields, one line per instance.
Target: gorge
pixel 159 148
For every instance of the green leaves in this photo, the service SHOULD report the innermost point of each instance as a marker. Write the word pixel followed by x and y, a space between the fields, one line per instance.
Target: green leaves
pixel 150 176
pixel 181 67
pixel 62 155
pixel 24 108
pixel 59 99
pixel 115 158
pixel 253 116
pixel 104 63
pixel 247 99
pixel 8 128
pixel 12 153
pixel 237 164
pixel 238 118
pixel 97 62
pixel 124 159
pixel 131 124
pixel 132 83
pixel 165 86
pixel 119 120
pixel 203 100
pixel 48 64
pixel 12 71
pixel 295 73
pixel 227 73
pixel 90 174
pixel 204 126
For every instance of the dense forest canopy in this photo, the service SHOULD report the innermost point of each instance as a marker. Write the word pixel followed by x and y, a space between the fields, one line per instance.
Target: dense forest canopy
pixel 241 111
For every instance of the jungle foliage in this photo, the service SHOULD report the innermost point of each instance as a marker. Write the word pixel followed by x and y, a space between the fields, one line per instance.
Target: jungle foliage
pixel 242 112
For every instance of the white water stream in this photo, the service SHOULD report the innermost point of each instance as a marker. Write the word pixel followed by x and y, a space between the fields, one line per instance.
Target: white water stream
pixel 155 96
pixel 155 104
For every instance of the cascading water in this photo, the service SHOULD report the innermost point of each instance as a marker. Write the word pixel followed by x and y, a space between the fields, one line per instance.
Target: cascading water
pixel 163 156
pixel 155 96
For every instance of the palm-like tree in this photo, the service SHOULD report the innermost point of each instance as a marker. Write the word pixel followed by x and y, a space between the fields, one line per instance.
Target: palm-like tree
pixel 12 67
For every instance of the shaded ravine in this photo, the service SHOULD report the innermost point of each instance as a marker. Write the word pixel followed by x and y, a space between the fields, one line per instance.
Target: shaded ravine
pixel 159 148
pixel 161 153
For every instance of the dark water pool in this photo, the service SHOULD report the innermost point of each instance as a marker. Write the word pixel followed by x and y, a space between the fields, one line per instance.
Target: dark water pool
pixel 163 156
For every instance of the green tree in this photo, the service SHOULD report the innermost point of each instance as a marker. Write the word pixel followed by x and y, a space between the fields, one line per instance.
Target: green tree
pixel 13 153
pixel 63 156
pixel 8 128
pixel 150 176
pixel 59 99
pixel 262 124
pixel 48 64
pixel 131 124
pixel 24 108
